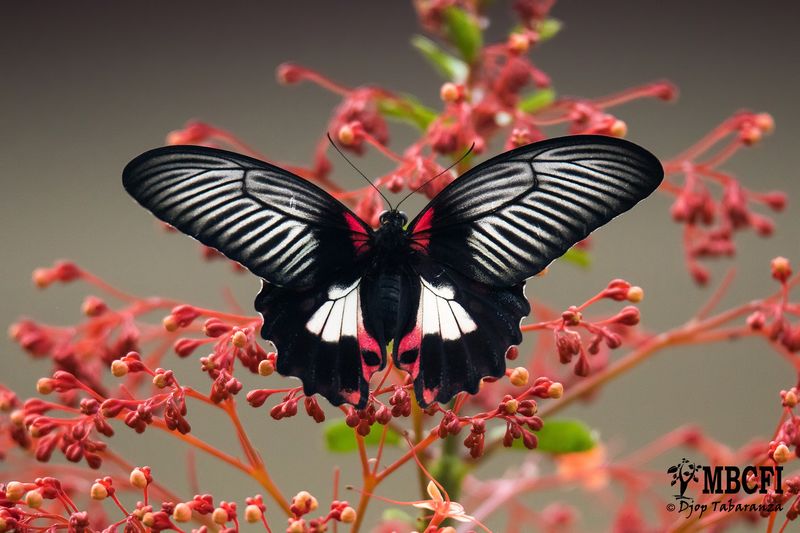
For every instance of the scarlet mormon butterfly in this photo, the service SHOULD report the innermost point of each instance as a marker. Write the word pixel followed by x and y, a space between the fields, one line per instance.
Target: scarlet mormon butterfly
pixel 446 288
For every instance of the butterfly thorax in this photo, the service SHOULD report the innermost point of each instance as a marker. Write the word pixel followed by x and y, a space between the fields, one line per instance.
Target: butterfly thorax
pixel 390 237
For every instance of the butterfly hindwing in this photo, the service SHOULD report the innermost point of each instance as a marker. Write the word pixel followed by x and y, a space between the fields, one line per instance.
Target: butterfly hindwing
pixel 459 333
pixel 509 217
pixel 327 338
pixel 281 227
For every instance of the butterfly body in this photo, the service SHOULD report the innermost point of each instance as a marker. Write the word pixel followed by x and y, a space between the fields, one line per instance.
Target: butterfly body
pixel 445 290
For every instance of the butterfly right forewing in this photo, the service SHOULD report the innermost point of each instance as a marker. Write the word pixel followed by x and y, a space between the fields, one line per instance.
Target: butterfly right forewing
pixel 509 217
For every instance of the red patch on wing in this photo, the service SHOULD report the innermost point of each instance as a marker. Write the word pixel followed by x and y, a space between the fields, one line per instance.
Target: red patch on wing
pixel 422 227
pixel 368 347
pixel 411 342
pixel 358 234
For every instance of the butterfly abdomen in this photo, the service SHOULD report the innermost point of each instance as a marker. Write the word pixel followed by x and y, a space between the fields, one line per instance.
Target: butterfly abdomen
pixel 389 290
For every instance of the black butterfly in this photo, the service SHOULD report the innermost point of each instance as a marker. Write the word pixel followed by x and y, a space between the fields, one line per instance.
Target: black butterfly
pixel 447 289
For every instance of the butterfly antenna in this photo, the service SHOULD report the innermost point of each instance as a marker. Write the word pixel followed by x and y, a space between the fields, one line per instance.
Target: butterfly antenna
pixel 457 161
pixel 357 170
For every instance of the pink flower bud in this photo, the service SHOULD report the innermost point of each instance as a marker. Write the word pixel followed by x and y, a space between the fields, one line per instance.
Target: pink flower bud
pixel 629 316
pixel 93 306
pixel 185 347
pixel 214 327
pixel 776 200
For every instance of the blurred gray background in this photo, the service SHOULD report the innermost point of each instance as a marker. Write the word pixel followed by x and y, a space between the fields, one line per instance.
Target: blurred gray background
pixel 85 87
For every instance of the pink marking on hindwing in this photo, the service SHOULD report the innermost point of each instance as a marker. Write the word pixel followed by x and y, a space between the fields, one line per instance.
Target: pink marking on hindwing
pixel 367 342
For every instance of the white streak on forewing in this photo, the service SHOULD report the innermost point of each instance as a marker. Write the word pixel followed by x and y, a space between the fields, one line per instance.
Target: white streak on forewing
pixel 317 320
pixel 350 319
pixel 300 256
pixel 333 326
pixel 430 313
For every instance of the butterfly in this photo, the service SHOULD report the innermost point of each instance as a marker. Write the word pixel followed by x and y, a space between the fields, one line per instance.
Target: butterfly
pixel 446 290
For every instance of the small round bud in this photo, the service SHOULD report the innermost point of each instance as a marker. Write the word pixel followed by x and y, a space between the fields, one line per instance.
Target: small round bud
pixel 555 391
pixel 781 454
pixel 98 491
pixel 346 135
pixel 119 368
pixel 511 406
pixel 348 515
pixel 170 323
pixel 635 294
pixel 519 376
pixel 182 512
pixel 790 398
pixel 160 380
pixel 219 516
pixel 449 92
pixel 15 491
pixel 296 526
pixel 518 43
pixel 41 278
pixel 447 529
pixel 765 122
pixel 149 519
pixel 239 339
pixel 781 269
pixel 750 135
pixel 618 128
pixel 45 385
pixel 252 514
pixel 17 417
pixel 138 478
pixel 266 368
pixel 34 499
pixel 304 500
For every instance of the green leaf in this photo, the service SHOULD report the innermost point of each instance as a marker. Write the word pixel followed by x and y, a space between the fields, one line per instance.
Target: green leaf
pixel 340 438
pixel 565 436
pixel 464 32
pixel 407 109
pixel 557 436
pixel 449 66
pixel 548 28
pixel 537 101
pixel 578 257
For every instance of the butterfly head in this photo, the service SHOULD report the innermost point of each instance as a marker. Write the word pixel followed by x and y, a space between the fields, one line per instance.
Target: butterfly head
pixel 393 217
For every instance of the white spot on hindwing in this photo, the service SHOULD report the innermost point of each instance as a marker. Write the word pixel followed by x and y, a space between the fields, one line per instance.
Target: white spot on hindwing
pixel 441 314
pixel 338 316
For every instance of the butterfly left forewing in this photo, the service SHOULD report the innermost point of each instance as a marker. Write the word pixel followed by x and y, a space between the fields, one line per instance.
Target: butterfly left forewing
pixel 279 226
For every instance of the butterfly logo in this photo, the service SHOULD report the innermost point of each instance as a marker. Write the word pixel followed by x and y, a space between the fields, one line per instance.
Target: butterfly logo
pixel 446 289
